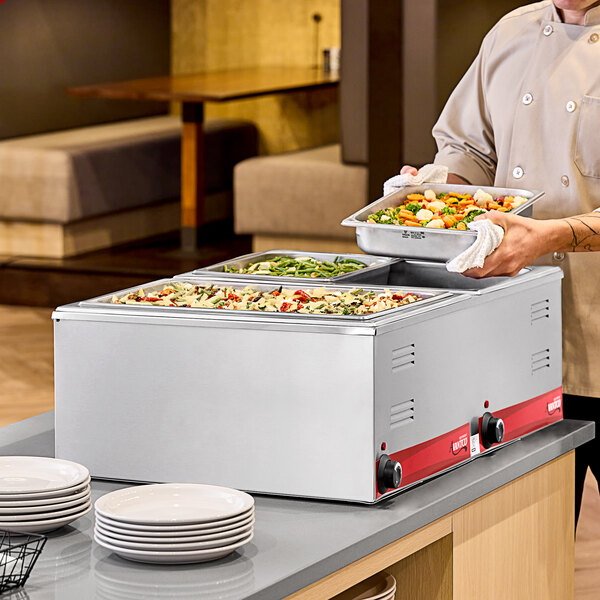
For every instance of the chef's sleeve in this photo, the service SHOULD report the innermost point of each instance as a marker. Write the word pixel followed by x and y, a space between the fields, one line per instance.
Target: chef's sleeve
pixel 464 133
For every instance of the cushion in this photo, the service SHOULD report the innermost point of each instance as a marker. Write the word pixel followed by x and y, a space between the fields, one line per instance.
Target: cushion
pixel 91 171
pixel 305 193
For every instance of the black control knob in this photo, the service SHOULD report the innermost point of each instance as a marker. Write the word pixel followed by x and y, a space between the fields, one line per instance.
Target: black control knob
pixel 492 430
pixel 389 474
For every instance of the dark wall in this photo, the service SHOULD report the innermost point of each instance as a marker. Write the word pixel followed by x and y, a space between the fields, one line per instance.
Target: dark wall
pixel 49 45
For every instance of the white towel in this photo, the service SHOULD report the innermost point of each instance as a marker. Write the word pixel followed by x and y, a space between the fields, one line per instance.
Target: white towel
pixel 489 236
pixel 426 174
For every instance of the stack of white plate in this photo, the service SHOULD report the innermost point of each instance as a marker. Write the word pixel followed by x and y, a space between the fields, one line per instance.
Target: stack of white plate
pixel 174 523
pixel 39 494
pixel 379 587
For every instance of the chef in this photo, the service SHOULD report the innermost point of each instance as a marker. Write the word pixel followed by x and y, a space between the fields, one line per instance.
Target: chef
pixel 527 115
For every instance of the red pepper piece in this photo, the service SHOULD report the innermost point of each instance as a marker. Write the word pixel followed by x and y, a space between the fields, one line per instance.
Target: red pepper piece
pixel 287 307
pixel 306 297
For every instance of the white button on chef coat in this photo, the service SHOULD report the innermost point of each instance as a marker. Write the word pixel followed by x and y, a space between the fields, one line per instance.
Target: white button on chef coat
pixel 527 98
pixel 571 106
pixel 517 172
pixel 559 256
pixel 564 180
pixel 548 30
pixel 593 38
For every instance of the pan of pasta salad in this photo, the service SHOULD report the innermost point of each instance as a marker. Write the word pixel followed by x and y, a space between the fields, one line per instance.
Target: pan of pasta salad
pixel 220 297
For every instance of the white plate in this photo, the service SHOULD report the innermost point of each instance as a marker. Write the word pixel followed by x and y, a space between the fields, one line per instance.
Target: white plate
pixel 180 558
pixel 378 587
pixel 38 474
pixel 30 510
pixel 76 489
pixel 177 531
pixel 135 537
pixel 45 501
pixel 55 514
pixel 176 547
pixel 173 504
pixel 43 525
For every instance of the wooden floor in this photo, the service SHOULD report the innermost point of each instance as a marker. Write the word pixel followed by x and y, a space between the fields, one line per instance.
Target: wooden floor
pixel 26 362
pixel 26 389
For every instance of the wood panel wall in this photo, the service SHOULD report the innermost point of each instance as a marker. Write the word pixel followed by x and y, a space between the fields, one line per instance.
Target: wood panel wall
pixel 210 35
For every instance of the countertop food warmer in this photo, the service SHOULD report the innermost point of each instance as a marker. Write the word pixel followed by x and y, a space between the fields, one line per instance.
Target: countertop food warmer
pixel 352 408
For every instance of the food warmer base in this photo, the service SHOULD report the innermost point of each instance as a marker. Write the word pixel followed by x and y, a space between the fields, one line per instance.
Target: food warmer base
pixel 304 406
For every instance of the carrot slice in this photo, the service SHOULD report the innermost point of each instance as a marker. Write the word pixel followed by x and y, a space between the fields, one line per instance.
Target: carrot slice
pixel 448 220
pixel 407 214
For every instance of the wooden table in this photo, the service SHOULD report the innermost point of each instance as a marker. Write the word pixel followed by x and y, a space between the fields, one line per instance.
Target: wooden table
pixel 193 91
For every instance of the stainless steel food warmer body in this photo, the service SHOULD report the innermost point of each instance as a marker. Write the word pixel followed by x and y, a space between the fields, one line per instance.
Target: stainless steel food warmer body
pixel 439 245
pixel 303 405
pixel 379 265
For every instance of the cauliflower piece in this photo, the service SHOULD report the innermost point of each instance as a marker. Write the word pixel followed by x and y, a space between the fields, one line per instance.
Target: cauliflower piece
pixel 482 198
pixel 518 200
pixel 436 224
pixel 429 195
pixel 436 205
pixel 424 215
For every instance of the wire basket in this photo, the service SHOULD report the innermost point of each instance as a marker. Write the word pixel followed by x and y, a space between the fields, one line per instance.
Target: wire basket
pixel 18 553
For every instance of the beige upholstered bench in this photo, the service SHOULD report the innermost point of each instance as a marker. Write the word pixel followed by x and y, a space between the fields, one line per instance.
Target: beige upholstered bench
pixel 83 189
pixel 298 199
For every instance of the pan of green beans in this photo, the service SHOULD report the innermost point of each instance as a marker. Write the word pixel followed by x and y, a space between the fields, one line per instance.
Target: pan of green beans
pixel 292 265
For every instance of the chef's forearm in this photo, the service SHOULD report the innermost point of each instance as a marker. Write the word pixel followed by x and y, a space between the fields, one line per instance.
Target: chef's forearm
pixel 580 233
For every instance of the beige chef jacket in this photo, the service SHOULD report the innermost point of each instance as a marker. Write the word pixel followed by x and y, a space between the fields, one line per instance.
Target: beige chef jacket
pixel 527 115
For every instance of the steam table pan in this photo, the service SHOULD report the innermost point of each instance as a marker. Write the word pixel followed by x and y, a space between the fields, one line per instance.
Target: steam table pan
pixel 438 245
pixel 374 265
pixel 428 296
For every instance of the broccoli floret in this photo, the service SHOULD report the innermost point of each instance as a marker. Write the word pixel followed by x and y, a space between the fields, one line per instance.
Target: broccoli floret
pixel 472 214
pixel 414 207
pixel 448 210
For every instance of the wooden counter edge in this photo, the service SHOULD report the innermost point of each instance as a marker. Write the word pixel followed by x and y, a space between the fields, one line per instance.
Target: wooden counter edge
pixel 543 495
pixel 376 561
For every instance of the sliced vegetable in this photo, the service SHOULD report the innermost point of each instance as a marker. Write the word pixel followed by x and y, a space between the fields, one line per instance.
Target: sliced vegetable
pixel 445 211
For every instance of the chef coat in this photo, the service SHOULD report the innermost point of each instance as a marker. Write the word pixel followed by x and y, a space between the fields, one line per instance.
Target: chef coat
pixel 527 115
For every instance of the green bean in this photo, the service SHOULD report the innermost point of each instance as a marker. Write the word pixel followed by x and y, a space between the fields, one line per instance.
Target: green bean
pixel 309 267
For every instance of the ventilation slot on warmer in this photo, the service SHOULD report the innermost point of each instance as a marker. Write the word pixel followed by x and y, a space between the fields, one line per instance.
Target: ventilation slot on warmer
pixel 402 413
pixel 540 310
pixel 403 357
pixel 540 360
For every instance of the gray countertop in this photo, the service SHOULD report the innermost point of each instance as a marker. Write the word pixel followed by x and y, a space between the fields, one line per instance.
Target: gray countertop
pixel 296 542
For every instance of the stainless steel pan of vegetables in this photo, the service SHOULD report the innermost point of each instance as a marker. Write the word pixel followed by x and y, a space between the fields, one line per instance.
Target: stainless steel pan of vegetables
pixel 430 222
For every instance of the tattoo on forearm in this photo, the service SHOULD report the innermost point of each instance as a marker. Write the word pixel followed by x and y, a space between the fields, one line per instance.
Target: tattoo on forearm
pixel 584 229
